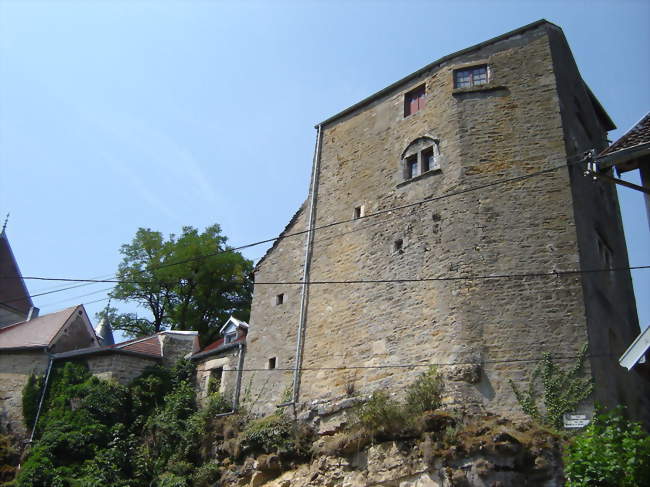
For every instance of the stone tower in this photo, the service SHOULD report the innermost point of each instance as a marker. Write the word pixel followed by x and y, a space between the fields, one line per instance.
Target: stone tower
pixel 510 107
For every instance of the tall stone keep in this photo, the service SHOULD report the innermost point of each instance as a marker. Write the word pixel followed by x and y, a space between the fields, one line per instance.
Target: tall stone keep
pixel 460 179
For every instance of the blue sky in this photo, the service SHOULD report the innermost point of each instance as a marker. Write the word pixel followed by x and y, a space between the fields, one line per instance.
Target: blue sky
pixel 116 115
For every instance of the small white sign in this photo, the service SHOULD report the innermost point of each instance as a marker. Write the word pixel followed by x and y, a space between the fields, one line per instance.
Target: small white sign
pixel 576 420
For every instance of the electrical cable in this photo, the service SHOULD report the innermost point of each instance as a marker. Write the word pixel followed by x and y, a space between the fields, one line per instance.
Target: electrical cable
pixel 302 232
pixel 427 364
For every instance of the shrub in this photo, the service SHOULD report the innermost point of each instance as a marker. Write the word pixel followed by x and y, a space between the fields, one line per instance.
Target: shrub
pixel 8 459
pixel 206 475
pixel 610 451
pixel 382 414
pixel 425 394
pixel 270 434
pixel 562 390
pixel 31 398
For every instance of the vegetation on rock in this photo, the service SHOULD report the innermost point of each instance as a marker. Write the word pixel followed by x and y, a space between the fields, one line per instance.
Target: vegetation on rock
pixel 562 390
pixel 94 432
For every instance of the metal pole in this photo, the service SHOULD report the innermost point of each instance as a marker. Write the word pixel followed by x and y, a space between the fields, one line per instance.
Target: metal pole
pixel 304 294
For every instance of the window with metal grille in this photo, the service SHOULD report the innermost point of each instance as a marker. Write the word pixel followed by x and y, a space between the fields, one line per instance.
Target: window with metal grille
pixel 470 77
pixel 414 100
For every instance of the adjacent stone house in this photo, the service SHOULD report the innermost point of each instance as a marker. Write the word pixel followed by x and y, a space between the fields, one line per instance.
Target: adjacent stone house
pixel 123 362
pixel 219 364
pixel 27 347
pixel 420 253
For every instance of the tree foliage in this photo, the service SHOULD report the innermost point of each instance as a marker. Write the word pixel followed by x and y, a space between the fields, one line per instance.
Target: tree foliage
pixel 611 451
pixel 563 390
pixel 95 433
pixel 191 281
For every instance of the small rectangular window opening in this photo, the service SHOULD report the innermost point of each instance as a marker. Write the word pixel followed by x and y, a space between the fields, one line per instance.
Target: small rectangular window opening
pixel 279 299
pixel 467 78
pixel 414 100
pixel 359 211
pixel 214 381
pixel 398 245
pixel 412 168
pixel 272 363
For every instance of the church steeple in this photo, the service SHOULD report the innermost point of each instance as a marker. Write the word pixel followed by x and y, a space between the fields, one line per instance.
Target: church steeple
pixel 104 331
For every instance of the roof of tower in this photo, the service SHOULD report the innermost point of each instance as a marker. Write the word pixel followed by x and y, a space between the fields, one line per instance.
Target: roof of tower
pixel 13 292
pixel 104 332
pixel 516 32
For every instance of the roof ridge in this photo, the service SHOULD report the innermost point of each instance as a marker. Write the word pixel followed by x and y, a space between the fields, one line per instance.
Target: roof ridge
pixel 415 74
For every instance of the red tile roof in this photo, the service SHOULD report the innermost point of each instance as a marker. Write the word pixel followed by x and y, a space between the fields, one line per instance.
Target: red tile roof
pixel 37 332
pixel 13 292
pixel 147 346
pixel 637 135
pixel 216 345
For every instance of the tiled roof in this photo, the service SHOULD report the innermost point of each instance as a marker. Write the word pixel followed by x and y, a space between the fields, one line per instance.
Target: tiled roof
pixel 637 135
pixel 37 332
pixel 13 292
pixel 147 346
pixel 216 345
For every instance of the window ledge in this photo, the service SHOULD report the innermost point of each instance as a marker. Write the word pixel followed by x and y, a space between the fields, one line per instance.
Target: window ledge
pixel 421 176
pixel 474 89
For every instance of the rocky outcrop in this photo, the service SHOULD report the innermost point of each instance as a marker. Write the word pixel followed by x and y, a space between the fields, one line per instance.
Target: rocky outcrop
pixel 487 452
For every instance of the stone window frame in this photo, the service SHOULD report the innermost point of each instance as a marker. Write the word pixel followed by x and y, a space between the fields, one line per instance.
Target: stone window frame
pixel 279 299
pixel 416 162
pixel 415 100
pixel 474 80
pixel 272 363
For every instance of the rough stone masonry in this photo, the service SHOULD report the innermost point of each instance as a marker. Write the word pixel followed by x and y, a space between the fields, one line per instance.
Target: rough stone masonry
pixel 508 107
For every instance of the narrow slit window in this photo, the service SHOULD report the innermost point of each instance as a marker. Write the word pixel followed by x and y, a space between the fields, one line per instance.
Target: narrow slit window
pixel 272 363
pixel 279 299
pixel 359 211
pixel 398 245
pixel 412 168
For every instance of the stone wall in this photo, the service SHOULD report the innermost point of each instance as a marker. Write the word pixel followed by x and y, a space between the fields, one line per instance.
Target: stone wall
pixel 228 363
pixel 74 335
pixel 610 305
pixel 15 369
pixel 119 367
pixel 274 332
pixel 177 346
pixel 509 128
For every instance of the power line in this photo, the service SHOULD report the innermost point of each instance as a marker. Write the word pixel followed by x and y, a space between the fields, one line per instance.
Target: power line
pixel 302 232
pixel 468 277
pixel 427 364
pixel 76 297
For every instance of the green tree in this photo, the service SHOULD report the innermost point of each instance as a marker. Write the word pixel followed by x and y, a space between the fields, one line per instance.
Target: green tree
pixel 192 281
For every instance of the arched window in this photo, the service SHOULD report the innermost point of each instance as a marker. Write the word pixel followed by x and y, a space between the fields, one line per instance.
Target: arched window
pixel 421 156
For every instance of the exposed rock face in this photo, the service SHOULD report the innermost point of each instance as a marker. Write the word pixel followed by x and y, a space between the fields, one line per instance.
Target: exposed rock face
pixel 488 452
pixel 403 464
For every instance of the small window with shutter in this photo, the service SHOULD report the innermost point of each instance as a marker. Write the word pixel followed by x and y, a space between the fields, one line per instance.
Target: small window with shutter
pixel 414 100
